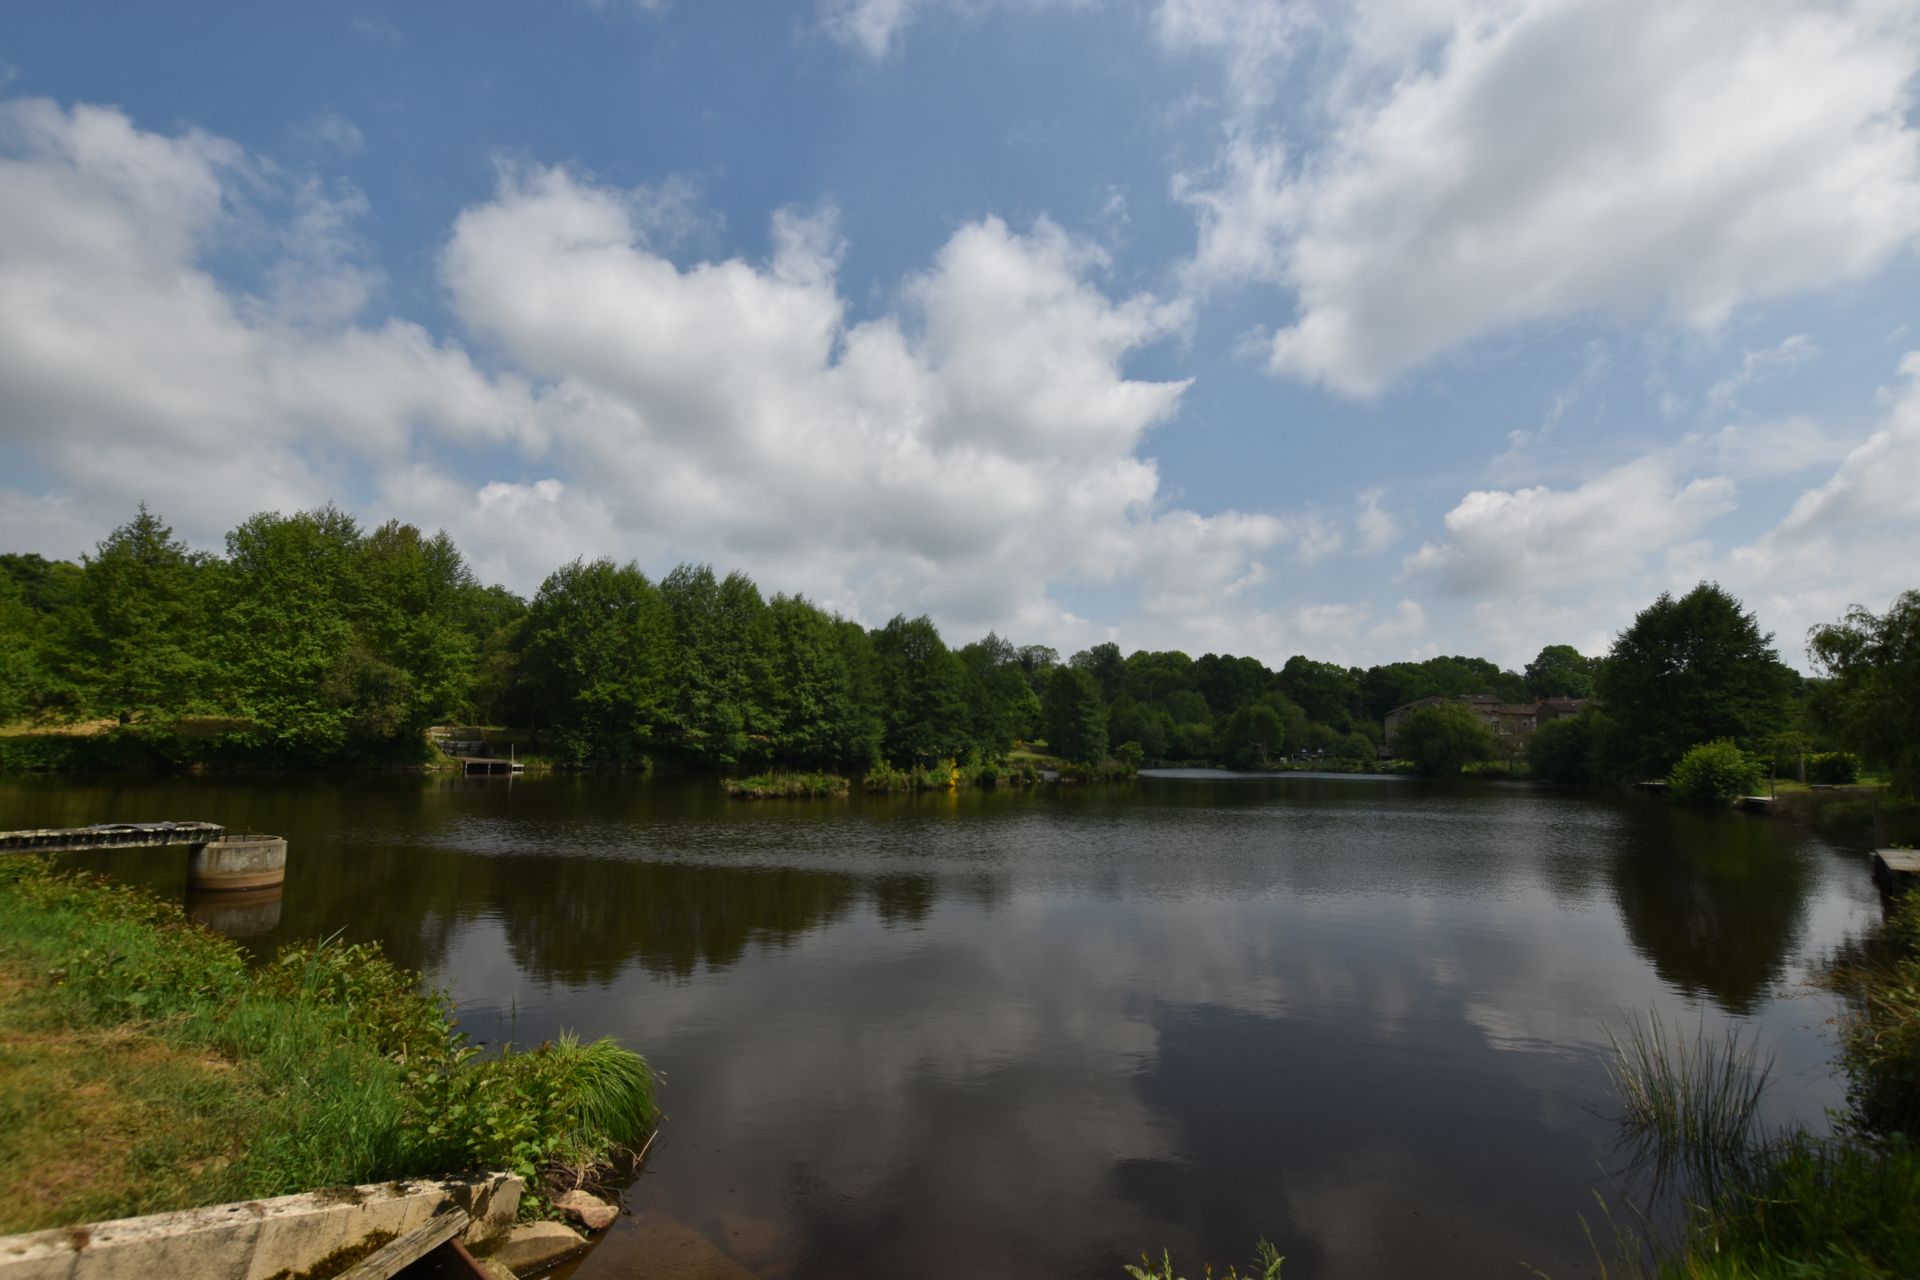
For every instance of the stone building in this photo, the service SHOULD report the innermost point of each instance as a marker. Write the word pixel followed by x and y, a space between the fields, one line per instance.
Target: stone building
pixel 1503 719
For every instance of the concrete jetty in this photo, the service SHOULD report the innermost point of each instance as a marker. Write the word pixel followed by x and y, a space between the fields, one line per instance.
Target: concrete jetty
pixel 218 860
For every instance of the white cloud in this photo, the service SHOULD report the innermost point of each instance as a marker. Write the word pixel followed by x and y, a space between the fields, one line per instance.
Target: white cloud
pixel 1878 482
pixel 963 452
pixel 333 130
pixel 1757 366
pixel 876 27
pixel 1253 37
pixel 1378 527
pixel 1561 157
pixel 130 373
pixel 1408 623
pixel 1509 542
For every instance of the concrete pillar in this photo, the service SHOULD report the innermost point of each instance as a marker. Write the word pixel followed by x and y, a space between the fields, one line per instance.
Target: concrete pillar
pixel 237 862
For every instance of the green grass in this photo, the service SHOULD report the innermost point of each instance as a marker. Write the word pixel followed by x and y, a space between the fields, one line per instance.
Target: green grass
pixel 1818 1211
pixel 1266 1265
pixel 774 786
pixel 144 1062
pixel 1793 1206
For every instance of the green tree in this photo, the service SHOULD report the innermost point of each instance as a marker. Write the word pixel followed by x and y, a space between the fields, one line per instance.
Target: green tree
pixel 600 653
pixel 143 622
pixel 290 590
pixel 1687 671
pixel 1359 748
pixel 725 663
pixel 1227 682
pixel 1075 718
pixel 1104 663
pixel 1561 671
pixel 413 656
pixel 21 677
pixel 1441 740
pixel 1252 736
pixel 854 712
pixel 1563 750
pixel 922 692
pixel 1874 700
pixel 1328 693
pixel 822 699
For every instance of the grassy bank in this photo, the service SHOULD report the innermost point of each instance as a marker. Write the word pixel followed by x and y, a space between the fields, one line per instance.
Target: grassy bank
pixel 1793 1206
pixel 145 1067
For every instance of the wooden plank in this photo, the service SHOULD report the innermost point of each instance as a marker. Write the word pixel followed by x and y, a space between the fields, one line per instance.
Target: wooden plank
pixel 1902 861
pixel 410 1248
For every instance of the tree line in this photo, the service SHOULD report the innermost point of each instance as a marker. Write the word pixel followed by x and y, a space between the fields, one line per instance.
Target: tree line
pixel 313 640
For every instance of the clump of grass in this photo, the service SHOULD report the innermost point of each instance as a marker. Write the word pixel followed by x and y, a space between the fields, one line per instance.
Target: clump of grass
pixel 884 778
pixel 1265 1266
pixel 337 1068
pixel 1694 1101
pixel 1815 1211
pixel 778 786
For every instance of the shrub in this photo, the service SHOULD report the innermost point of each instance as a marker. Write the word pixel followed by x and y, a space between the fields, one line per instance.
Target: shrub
pixel 1562 750
pixel 1714 773
pixel 1837 768
pixel 1443 740
pixel 1359 747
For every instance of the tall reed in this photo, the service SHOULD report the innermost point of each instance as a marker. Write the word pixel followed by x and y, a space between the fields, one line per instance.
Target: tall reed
pixel 1695 1102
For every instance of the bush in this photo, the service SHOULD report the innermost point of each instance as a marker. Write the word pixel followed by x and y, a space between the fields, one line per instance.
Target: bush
pixel 1443 740
pixel 1714 773
pixel 1837 768
pixel 1562 750
pixel 1358 747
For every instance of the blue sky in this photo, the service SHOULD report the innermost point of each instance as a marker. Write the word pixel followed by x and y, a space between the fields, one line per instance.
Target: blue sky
pixel 1367 332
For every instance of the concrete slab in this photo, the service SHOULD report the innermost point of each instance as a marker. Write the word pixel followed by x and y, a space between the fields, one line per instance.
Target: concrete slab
pixel 37 1255
pixel 253 1239
pixel 535 1246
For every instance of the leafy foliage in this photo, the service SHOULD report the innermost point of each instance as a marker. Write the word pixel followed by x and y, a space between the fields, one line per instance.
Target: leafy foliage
pixel 1714 773
pixel 1561 671
pixel 1563 750
pixel 1074 716
pixel 1687 671
pixel 1442 740
pixel 1874 701
pixel 1833 768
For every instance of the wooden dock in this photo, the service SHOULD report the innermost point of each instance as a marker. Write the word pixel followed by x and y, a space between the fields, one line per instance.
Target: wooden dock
pixel 1896 869
pixel 488 764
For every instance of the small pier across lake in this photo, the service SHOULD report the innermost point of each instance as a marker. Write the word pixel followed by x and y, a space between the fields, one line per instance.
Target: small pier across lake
pixel 217 859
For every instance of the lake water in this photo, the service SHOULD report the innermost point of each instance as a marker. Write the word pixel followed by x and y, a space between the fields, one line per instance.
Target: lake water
pixel 1033 1033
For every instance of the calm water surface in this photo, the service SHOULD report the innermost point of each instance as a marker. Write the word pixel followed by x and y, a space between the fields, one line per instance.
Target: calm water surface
pixel 1033 1033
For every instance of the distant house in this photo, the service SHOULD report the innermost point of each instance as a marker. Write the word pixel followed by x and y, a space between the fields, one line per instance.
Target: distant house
pixel 1503 719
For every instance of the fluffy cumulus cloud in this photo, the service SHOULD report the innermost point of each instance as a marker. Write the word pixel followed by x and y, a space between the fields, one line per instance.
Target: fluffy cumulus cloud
pixel 130 373
pixel 1517 541
pixel 1529 159
pixel 962 451
pixel 916 458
